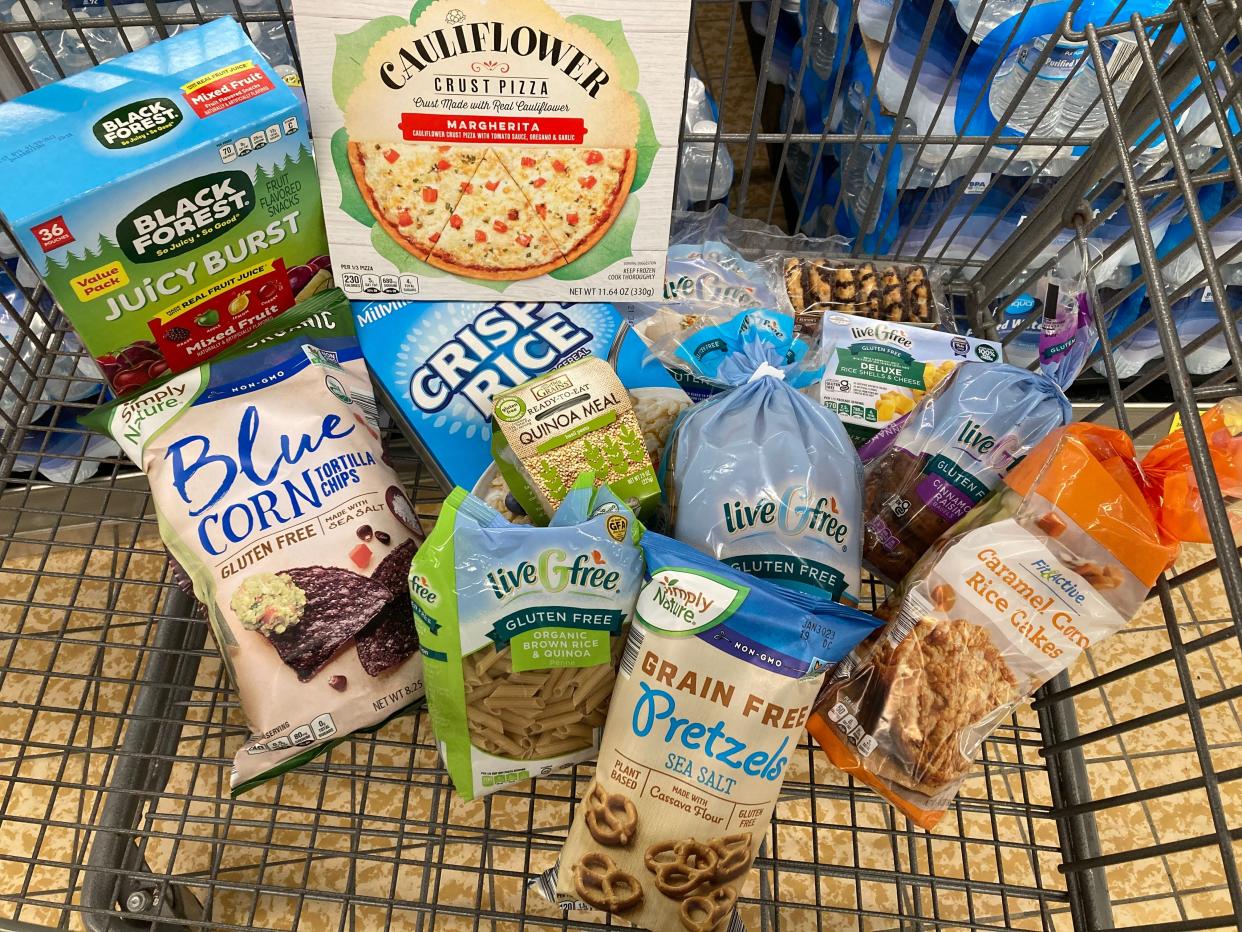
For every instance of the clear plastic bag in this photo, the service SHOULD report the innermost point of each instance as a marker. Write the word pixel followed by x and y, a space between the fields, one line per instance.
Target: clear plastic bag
pixel 1056 559
pixel 926 471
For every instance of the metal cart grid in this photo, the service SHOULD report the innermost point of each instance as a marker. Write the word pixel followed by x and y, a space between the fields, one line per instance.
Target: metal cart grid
pixel 119 723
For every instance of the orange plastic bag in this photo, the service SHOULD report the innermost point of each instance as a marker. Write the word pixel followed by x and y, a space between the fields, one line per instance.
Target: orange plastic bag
pixel 1049 564
pixel 1168 466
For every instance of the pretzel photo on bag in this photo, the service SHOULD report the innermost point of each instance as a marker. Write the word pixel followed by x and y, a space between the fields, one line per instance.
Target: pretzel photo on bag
pixel 708 912
pixel 602 884
pixel 611 818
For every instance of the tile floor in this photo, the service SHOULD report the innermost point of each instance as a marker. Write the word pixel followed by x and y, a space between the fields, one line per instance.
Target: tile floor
pixel 325 847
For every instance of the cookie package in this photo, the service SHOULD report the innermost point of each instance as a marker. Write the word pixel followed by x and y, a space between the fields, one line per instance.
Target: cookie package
pixel 547 431
pixel 471 146
pixel 169 200
pixel 1057 558
pixel 896 292
pixel 875 372
pixel 767 481
pixel 926 471
pixel 520 629
pixel 274 496
pixel 713 692
pixel 440 365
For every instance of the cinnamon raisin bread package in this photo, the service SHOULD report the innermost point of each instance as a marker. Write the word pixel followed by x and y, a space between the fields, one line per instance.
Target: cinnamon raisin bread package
pixel 1056 559
pixel 927 470
pixel 715 685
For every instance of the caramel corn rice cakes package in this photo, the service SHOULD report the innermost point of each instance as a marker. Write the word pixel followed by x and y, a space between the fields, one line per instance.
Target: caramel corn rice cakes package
pixel 1055 560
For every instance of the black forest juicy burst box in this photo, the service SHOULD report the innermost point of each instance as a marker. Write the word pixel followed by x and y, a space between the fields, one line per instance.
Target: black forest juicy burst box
pixel 168 198
pixel 470 147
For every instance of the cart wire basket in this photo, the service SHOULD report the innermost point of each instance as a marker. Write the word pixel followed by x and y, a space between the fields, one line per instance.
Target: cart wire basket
pixel 1113 800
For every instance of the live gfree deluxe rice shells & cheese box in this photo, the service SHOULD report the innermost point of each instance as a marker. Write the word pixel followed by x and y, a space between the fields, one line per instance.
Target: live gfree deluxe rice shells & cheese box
pixel 473 146
pixel 169 200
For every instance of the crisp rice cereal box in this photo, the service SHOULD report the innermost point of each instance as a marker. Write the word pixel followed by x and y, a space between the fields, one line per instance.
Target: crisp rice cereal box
pixel 169 200
pixel 469 147
pixel 440 365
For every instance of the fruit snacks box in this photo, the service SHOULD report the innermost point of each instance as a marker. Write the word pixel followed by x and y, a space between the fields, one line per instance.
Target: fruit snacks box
pixel 168 199
pixel 470 147
pixel 441 366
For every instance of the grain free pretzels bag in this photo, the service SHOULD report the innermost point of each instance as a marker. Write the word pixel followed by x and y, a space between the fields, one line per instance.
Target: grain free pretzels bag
pixel 1056 559
pixel 274 495
pixel 520 629
pixel 712 696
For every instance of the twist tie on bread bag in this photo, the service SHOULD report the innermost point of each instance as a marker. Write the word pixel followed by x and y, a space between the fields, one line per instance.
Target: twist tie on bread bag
pixel 928 469
pixel 766 480
pixel 725 345
pixel 522 629
pixel 1054 560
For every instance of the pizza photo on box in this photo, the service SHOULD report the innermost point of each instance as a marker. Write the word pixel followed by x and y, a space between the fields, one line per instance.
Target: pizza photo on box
pixel 480 145
pixel 496 212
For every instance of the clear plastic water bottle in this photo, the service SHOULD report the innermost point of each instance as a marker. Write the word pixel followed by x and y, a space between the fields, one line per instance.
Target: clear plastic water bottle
pixel 38 62
pixel 696 170
pixel 1083 94
pixel 788 35
pixel 270 39
pixel 30 11
pixel 822 41
pixel 1033 112
pixel 759 16
pixel 1022 350
pixel 994 13
pixel 106 41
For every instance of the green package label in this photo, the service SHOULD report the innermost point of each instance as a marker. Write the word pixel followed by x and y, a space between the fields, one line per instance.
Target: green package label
pixel 952 473
pixel 880 364
pixel 781 567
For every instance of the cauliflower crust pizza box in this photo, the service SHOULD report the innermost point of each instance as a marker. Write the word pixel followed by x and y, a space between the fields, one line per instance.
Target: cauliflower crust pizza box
pixel 469 147
pixel 440 365
pixel 169 200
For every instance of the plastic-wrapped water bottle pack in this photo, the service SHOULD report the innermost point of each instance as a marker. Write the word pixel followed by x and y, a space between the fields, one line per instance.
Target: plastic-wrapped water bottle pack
pixel 103 33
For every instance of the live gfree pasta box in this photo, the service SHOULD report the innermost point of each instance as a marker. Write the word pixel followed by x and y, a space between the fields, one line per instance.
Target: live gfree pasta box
pixel 469 147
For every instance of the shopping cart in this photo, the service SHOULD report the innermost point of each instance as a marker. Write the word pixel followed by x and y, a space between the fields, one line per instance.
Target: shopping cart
pixel 1113 800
